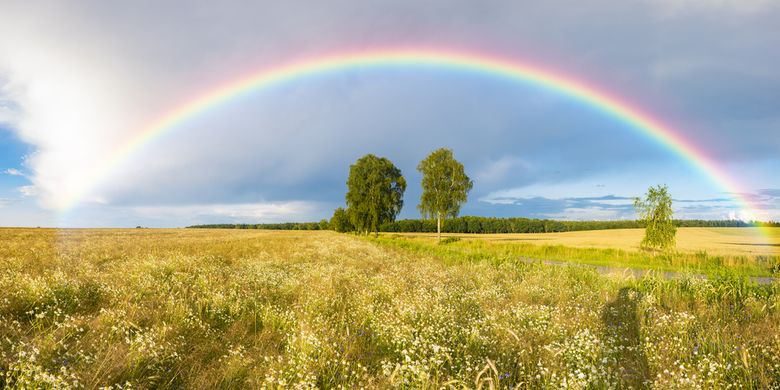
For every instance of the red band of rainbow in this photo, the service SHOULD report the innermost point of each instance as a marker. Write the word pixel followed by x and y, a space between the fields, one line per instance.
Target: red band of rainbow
pixel 520 72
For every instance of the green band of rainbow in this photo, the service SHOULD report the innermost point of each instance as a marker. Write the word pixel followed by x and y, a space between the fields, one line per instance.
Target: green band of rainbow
pixel 520 72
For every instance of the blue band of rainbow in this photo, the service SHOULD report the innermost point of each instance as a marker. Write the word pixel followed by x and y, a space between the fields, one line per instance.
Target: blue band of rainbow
pixel 520 72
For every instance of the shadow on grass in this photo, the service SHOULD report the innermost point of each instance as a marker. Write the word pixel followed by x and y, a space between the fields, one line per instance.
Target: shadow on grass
pixel 621 322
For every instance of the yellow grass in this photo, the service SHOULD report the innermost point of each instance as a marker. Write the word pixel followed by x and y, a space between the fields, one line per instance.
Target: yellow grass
pixel 715 241
pixel 178 308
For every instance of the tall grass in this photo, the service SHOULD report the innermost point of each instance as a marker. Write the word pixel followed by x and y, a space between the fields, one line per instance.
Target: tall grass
pixel 698 262
pixel 232 309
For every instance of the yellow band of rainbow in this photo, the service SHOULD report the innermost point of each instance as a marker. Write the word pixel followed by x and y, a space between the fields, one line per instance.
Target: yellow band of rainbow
pixel 427 58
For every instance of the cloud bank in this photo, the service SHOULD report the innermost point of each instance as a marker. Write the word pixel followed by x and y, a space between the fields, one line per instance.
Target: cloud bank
pixel 78 80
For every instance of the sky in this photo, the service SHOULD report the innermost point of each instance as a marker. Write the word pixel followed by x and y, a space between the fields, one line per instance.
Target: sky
pixel 78 79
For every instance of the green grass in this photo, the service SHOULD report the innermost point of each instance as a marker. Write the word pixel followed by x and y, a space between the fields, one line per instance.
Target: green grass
pixel 254 309
pixel 698 263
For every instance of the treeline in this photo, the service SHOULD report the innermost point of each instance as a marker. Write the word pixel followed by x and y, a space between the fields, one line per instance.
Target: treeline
pixel 322 225
pixel 486 225
pixel 724 223
pixel 375 197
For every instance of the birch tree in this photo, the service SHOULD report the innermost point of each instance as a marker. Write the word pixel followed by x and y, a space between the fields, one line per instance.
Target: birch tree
pixel 445 187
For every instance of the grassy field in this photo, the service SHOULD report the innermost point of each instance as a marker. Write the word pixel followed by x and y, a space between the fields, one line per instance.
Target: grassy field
pixel 248 308
pixel 709 251
pixel 714 241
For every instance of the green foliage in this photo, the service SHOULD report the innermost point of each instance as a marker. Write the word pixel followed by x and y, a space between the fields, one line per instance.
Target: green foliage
pixel 449 240
pixel 489 225
pixel 445 186
pixel 340 221
pixel 375 190
pixel 324 224
pixel 680 262
pixel 656 212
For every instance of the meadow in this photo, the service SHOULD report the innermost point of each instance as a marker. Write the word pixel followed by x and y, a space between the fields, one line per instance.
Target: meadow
pixel 715 241
pixel 707 251
pixel 198 308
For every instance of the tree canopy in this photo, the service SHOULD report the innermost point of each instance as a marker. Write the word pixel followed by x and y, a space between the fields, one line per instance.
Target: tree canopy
pixel 655 210
pixel 489 225
pixel 375 190
pixel 340 221
pixel 445 186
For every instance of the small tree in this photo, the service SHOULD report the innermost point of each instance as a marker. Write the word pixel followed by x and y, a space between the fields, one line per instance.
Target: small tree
pixel 340 221
pixel 324 224
pixel 445 186
pixel 375 191
pixel 655 210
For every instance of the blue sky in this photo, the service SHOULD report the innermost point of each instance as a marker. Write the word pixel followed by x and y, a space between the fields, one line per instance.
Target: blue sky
pixel 12 153
pixel 78 79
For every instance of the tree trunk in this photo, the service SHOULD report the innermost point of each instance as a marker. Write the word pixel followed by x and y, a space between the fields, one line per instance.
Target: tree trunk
pixel 438 225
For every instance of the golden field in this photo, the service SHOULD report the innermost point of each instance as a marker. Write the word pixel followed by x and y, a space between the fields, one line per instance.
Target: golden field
pixel 716 241
pixel 187 308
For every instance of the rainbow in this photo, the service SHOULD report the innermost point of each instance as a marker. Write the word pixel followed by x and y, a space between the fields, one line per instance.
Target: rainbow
pixel 614 107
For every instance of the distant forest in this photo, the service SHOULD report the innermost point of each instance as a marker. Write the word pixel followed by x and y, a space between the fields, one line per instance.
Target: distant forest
pixel 490 225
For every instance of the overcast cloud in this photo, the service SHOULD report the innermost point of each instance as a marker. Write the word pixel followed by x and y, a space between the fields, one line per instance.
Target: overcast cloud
pixel 77 79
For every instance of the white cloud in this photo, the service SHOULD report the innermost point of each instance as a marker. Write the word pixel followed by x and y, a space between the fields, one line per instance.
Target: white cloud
pixel 180 215
pixel 86 79
pixel 579 188
pixel 77 80
pixel 590 213
pixel 245 212
pixel 9 111
pixel 68 110
pixel 583 198
pixel 740 216
pixel 198 214
pixel 7 114
pixel 28 191
pixel 13 172
pixel 623 182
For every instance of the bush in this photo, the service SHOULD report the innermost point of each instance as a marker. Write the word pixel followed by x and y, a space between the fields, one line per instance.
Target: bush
pixel 449 240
